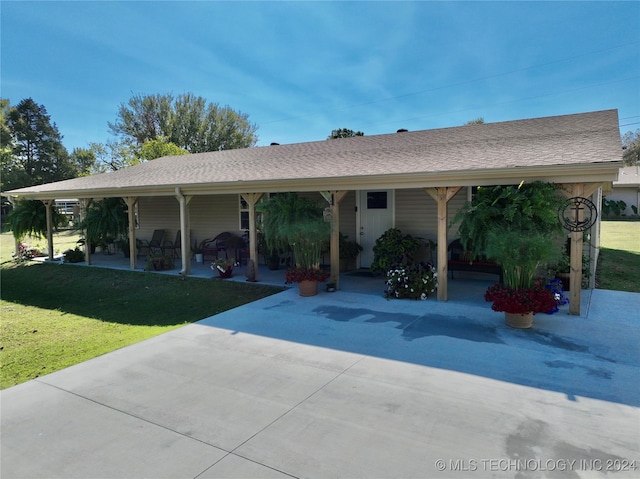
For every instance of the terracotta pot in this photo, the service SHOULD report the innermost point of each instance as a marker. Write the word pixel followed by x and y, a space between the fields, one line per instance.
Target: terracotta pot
pixel 519 321
pixel 308 288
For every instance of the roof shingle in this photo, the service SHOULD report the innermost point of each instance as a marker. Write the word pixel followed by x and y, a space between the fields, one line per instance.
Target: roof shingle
pixel 577 139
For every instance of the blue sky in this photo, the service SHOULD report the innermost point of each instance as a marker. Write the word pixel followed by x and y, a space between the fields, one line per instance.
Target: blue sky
pixel 301 69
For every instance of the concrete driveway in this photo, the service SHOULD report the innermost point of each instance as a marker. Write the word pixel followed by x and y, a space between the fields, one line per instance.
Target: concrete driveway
pixel 345 385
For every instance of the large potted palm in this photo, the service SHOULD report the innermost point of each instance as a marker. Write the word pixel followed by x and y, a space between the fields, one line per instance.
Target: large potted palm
pixel 518 228
pixel 296 223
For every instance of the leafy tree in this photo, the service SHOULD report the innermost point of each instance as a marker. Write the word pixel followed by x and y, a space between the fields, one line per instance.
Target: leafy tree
pixel 37 153
pixel 84 161
pixel 343 133
pixel 152 149
pixel 187 120
pixel 477 121
pixel 112 156
pixel 631 146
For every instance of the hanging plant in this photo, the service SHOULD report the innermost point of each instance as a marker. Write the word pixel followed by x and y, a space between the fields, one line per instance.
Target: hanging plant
pixel 29 218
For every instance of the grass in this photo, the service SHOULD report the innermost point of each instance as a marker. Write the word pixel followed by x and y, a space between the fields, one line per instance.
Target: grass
pixel 619 261
pixel 57 315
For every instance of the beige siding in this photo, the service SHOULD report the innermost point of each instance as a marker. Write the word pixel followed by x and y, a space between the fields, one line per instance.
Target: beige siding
pixel 209 215
pixel 212 215
pixel 417 214
pixel 162 212
pixel 348 216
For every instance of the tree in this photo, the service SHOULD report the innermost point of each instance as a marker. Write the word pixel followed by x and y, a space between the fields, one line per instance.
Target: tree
pixel 152 149
pixel 631 147
pixel 477 121
pixel 187 121
pixel 343 133
pixel 37 154
pixel 112 156
pixel 84 161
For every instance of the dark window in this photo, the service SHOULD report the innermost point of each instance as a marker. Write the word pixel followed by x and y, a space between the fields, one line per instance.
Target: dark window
pixel 376 200
pixel 244 220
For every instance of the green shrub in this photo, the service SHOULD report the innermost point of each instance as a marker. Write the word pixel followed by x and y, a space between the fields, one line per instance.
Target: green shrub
pixel 392 248
pixel 73 256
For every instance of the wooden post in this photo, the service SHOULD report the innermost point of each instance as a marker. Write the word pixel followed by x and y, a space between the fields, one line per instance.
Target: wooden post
pixel 334 198
pixel 577 237
pixel 131 212
pixel 442 195
pixel 252 199
pixel 48 205
pixel 84 203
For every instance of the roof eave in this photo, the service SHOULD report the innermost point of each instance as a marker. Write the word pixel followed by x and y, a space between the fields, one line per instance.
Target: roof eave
pixel 575 173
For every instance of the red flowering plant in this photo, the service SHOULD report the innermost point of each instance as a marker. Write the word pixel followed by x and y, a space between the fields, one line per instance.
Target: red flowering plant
pixel 300 273
pixel 541 298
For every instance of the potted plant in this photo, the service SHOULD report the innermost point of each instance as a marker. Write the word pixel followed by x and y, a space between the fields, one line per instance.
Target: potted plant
pixel 411 279
pixel 349 251
pixel 517 227
pixel 520 304
pixel 29 218
pixel 104 220
pixel 392 248
pixel 73 255
pixel 196 249
pixel 224 267
pixel 159 262
pixel 289 221
pixel 307 279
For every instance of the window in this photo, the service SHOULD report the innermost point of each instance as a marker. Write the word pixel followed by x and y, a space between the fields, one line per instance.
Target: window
pixel 376 200
pixel 244 214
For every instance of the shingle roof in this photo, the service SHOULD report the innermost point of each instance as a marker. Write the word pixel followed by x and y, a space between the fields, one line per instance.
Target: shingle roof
pixel 537 144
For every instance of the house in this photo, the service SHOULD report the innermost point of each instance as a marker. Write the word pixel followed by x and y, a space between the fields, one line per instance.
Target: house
pixel 627 189
pixel 414 181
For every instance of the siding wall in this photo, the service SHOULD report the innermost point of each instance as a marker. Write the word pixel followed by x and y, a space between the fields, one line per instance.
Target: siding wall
pixel 209 215
pixel 156 213
pixel 416 214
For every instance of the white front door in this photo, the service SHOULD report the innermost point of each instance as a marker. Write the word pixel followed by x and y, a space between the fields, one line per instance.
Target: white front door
pixel 376 217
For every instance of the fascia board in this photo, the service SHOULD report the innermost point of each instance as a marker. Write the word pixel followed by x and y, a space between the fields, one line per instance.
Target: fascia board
pixel 583 173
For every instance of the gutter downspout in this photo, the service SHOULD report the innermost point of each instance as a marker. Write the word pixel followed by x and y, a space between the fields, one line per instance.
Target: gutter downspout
pixel 185 240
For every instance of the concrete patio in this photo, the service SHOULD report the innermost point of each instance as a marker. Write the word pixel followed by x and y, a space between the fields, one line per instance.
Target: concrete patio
pixel 346 384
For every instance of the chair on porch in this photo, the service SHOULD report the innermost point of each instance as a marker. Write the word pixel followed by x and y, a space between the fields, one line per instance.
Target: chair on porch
pixel 226 243
pixel 173 247
pixel 152 246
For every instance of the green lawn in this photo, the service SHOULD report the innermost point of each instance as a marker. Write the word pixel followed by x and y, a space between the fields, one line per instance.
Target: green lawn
pixel 619 262
pixel 57 315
